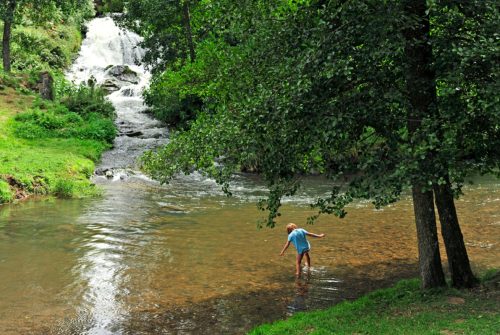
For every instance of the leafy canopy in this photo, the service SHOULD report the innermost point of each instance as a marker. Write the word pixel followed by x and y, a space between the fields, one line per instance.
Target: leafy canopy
pixel 290 87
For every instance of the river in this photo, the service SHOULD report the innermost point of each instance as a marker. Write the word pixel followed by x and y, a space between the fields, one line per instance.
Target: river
pixel 185 259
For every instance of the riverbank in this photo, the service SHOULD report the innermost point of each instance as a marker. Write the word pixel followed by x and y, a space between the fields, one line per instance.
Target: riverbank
pixel 49 147
pixel 404 309
pixel 35 161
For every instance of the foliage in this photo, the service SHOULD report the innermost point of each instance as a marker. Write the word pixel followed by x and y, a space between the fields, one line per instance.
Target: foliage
pixel 5 192
pixel 82 113
pixel 169 41
pixel 162 24
pixel 402 309
pixel 110 6
pixel 175 96
pixel 48 12
pixel 291 88
pixel 56 120
pixel 85 100
pixel 40 49
pixel 64 188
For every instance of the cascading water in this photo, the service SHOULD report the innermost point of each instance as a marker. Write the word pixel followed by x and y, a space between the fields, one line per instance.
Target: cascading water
pixel 111 57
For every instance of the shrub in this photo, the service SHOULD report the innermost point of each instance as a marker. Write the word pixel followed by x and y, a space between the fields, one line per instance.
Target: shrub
pixel 29 131
pixel 84 113
pixel 64 188
pixel 97 128
pixel 5 192
pixel 174 110
pixel 85 100
pixel 39 124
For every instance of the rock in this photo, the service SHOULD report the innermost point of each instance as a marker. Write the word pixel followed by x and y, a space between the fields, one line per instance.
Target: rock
pixel 109 174
pixel 128 92
pixel 118 76
pixel 110 86
pixel 133 133
pixel 156 135
pixel 123 73
pixel 100 171
pixel 46 86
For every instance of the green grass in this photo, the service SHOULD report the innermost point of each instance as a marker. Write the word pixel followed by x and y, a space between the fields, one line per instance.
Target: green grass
pixel 45 165
pixel 403 309
pixel 5 192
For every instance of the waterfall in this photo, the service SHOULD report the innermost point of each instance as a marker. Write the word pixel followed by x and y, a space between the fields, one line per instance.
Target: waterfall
pixel 111 56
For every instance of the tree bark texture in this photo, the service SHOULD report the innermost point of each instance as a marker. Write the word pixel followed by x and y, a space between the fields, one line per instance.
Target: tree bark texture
pixel 7 29
pixel 431 270
pixel 420 83
pixel 458 261
pixel 186 17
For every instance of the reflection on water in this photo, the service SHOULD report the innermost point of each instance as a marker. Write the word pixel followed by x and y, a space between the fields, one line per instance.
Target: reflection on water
pixel 184 259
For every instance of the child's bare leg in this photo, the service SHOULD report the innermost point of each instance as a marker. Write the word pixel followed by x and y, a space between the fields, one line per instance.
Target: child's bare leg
pixel 308 260
pixel 297 264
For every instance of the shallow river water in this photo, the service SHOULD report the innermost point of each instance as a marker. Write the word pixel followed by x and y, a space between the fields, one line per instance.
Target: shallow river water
pixel 184 259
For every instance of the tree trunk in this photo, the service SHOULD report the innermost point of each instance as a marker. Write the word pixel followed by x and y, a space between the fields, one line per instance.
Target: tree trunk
pixel 431 270
pixel 422 96
pixel 186 17
pixel 458 261
pixel 7 29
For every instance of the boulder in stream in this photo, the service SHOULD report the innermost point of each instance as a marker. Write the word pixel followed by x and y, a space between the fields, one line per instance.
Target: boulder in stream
pixel 123 73
pixel 133 133
pixel 110 86
pixel 118 76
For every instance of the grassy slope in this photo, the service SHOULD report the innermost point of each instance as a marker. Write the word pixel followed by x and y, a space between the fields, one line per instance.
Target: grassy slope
pixel 50 165
pixel 36 48
pixel 403 309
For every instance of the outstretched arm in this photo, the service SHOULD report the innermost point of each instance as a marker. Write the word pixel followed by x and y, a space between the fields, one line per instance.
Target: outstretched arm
pixel 315 235
pixel 287 244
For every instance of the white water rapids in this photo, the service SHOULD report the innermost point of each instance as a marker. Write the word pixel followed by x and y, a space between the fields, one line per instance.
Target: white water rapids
pixel 107 47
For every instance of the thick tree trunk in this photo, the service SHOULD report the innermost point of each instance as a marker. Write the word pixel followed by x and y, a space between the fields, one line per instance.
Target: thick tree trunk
pixel 7 29
pixel 431 270
pixel 458 261
pixel 422 95
pixel 187 28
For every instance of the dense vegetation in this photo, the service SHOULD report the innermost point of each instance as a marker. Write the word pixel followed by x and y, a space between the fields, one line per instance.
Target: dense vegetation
pixel 378 96
pixel 49 147
pixel 32 29
pixel 108 6
pixel 403 309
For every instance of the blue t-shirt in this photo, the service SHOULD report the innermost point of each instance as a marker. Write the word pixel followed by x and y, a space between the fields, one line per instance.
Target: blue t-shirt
pixel 298 238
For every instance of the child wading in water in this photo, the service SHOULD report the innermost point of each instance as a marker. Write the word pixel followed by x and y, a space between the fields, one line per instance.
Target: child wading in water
pixel 297 236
